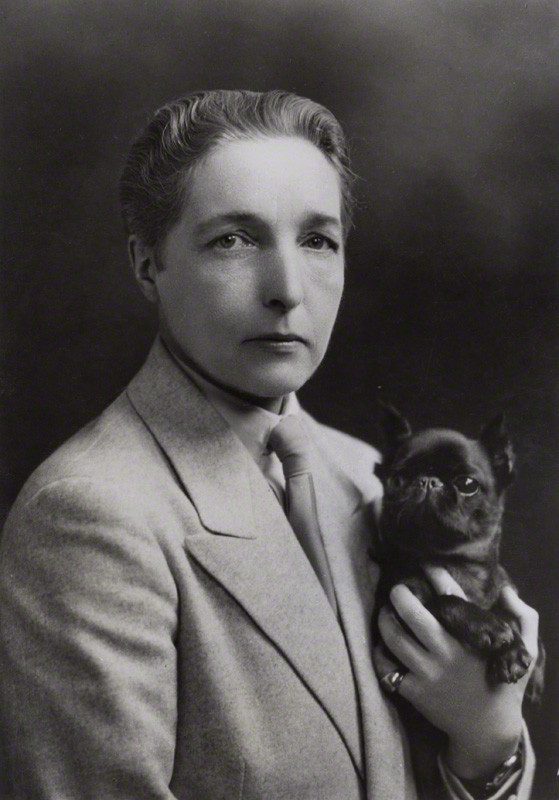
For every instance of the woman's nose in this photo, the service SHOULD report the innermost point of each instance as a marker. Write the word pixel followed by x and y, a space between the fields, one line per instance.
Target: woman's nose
pixel 283 279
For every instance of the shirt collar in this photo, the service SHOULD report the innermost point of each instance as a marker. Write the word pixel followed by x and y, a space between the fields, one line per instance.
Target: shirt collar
pixel 251 423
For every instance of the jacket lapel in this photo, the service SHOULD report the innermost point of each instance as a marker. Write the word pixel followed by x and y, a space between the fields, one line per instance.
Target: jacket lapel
pixel 249 547
pixel 346 517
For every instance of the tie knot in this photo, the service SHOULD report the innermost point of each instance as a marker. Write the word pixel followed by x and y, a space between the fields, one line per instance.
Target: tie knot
pixel 289 442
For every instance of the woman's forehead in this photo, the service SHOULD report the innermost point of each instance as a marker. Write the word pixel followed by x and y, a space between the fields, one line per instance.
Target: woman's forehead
pixel 268 176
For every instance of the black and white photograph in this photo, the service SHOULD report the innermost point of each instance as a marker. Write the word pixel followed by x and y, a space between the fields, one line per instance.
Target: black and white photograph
pixel 279 487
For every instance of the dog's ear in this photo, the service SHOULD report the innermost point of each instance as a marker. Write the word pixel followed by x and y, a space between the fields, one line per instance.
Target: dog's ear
pixel 396 429
pixel 497 443
pixel 394 426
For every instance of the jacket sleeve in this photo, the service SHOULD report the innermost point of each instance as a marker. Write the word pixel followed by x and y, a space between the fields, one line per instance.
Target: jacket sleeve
pixel 88 611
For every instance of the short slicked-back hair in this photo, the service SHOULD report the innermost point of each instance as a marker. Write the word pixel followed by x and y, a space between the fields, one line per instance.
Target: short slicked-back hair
pixel 154 181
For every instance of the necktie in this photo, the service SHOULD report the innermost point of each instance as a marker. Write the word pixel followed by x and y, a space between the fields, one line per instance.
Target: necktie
pixel 289 442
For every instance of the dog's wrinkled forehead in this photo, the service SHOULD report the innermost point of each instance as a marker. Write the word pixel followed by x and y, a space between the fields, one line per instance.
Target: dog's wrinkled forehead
pixel 438 450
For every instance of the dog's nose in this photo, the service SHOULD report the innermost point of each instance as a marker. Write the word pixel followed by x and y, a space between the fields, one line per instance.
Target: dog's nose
pixel 430 482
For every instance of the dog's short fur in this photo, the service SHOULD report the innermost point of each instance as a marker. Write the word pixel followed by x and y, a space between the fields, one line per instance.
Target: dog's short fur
pixel 443 505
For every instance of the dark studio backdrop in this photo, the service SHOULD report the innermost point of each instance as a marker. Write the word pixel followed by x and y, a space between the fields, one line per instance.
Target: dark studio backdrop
pixel 451 309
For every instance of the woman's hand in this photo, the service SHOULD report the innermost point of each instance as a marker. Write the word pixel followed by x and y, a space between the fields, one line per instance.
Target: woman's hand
pixel 447 682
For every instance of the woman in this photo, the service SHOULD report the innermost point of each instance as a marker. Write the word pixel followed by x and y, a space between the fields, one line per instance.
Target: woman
pixel 166 633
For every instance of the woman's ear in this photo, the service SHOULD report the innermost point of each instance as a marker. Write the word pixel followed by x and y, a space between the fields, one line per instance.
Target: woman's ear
pixel 144 265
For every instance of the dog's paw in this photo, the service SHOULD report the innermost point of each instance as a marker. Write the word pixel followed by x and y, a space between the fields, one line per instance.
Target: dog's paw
pixel 510 664
pixel 493 636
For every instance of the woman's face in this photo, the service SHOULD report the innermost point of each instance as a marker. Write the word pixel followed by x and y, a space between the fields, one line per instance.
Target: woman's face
pixel 252 274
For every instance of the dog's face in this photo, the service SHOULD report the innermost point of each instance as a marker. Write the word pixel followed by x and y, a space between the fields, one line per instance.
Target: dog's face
pixel 442 490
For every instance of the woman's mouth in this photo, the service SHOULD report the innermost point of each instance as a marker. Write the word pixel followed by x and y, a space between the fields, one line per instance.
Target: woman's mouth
pixel 278 342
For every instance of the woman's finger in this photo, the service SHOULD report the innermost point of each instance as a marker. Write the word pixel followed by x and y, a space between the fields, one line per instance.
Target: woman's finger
pixel 404 647
pixel 424 626
pixel 410 687
pixel 383 662
pixel 443 582
pixel 384 665
pixel 527 616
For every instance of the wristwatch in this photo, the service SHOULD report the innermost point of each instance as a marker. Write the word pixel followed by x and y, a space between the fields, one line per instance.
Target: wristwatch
pixel 483 788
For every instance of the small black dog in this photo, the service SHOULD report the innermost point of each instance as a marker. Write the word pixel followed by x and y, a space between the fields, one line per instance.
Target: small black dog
pixel 443 505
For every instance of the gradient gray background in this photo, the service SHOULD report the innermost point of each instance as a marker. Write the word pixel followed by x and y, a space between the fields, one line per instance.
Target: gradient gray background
pixel 451 308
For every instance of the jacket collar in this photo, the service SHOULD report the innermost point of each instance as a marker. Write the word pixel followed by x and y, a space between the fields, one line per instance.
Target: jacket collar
pixel 256 557
pixel 250 548
pixel 206 455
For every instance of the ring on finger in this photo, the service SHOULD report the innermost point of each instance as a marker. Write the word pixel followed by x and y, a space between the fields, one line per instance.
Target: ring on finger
pixel 392 680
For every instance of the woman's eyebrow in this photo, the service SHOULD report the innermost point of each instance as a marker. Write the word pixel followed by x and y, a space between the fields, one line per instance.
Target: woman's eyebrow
pixel 310 220
pixel 232 217
pixel 318 219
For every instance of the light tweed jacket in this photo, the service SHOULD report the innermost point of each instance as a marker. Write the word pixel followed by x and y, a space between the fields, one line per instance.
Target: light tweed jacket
pixel 161 633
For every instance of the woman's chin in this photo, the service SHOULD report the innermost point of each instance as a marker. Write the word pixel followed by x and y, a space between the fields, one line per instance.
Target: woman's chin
pixel 269 386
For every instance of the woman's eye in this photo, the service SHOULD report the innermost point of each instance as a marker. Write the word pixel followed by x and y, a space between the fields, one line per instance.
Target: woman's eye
pixel 466 485
pixel 319 242
pixel 232 241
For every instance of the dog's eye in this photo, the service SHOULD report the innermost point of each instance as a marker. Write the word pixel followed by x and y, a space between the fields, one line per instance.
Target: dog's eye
pixel 466 485
pixel 394 481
